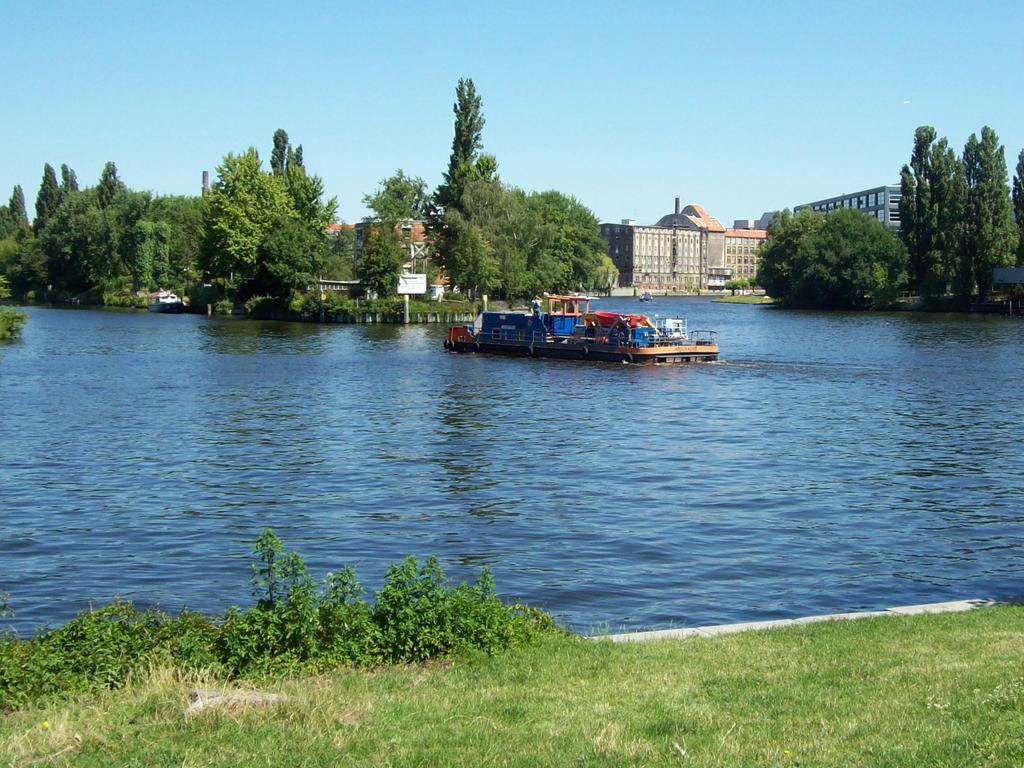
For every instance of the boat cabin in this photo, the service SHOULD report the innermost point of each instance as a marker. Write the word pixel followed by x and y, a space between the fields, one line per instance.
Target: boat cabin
pixel 563 315
pixel 565 311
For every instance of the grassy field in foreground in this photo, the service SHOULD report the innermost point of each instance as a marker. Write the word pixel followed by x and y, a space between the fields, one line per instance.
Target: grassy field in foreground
pixel 933 690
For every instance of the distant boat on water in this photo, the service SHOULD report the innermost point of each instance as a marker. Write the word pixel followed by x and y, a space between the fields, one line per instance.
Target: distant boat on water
pixel 167 302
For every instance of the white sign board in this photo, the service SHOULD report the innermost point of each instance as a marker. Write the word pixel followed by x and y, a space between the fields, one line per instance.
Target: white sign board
pixel 414 285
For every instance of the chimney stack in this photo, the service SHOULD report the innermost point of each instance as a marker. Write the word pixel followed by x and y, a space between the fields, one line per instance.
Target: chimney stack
pixel 677 206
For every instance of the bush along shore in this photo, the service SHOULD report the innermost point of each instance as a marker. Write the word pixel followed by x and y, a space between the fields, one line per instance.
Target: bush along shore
pixel 294 628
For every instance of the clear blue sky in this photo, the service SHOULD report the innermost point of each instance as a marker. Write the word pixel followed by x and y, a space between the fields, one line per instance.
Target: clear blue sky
pixel 739 107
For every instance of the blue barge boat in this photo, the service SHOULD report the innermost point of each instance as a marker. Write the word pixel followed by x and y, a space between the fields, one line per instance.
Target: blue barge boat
pixel 569 330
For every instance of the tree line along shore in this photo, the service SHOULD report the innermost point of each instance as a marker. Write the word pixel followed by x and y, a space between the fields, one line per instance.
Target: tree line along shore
pixel 265 237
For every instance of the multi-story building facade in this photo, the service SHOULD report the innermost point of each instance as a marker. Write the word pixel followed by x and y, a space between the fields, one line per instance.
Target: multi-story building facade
pixel 653 257
pixel 685 251
pixel 741 249
pixel 881 202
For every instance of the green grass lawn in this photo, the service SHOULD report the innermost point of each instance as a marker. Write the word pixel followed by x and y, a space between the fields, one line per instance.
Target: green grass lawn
pixel 745 299
pixel 930 690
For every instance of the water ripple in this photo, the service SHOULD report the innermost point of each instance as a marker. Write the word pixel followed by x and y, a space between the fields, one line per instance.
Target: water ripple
pixel 829 462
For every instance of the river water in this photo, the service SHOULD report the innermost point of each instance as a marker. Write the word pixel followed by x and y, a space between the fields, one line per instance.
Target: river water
pixel 828 462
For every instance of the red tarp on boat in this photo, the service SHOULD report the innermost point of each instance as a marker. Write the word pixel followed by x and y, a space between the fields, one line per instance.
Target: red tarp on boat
pixel 610 318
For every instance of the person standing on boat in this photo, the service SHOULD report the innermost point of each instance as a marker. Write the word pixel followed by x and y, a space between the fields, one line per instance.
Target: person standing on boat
pixel 536 306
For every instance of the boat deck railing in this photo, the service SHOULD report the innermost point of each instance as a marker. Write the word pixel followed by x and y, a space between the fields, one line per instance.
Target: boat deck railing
pixel 703 338
pixel 517 334
pixel 694 338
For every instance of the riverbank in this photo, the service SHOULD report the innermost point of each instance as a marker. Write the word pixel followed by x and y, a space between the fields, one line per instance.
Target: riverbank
pixel 748 298
pixel 933 689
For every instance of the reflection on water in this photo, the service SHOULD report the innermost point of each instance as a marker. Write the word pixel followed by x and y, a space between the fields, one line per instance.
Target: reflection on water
pixel 828 462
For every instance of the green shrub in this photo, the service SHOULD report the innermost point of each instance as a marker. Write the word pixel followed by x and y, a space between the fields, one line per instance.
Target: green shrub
pixel 416 616
pixel 11 323
pixel 420 617
pixel 268 308
pixel 125 299
pixel 294 627
pixel 279 632
pixel 348 634
pixel 104 648
pixel 206 295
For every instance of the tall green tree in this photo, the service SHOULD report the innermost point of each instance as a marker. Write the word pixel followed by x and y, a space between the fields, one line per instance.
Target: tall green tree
pixel 283 155
pixel 576 240
pixel 279 154
pixel 339 261
pixel 47 200
pixel 306 193
pixel 184 219
pixel 109 187
pixel 290 258
pixel 933 193
pixel 778 270
pixel 253 218
pixel 241 207
pixel 68 180
pixel 1018 206
pixel 77 243
pixel 453 211
pixel 305 190
pixel 381 263
pixel 160 250
pixel 144 251
pixel 139 245
pixel 948 197
pixel 990 238
pixel 24 263
pixel 467 141
pixel 917 217
pixel 399 197
pixel 16 209
pixel 474 236
pixel 607 275
pixel 847 260
pixel 471 260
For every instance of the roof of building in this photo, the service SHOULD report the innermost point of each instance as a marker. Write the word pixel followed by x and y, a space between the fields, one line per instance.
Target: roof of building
pixel 691 217
pixel 757 233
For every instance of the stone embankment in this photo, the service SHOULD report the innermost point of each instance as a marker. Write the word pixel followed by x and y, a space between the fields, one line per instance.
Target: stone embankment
pixel 725 629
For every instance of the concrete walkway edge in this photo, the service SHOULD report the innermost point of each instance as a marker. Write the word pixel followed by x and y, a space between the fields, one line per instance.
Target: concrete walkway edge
pixel 725 629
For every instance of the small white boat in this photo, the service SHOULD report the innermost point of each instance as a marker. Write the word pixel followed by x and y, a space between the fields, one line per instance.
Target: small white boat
pixel 165 301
